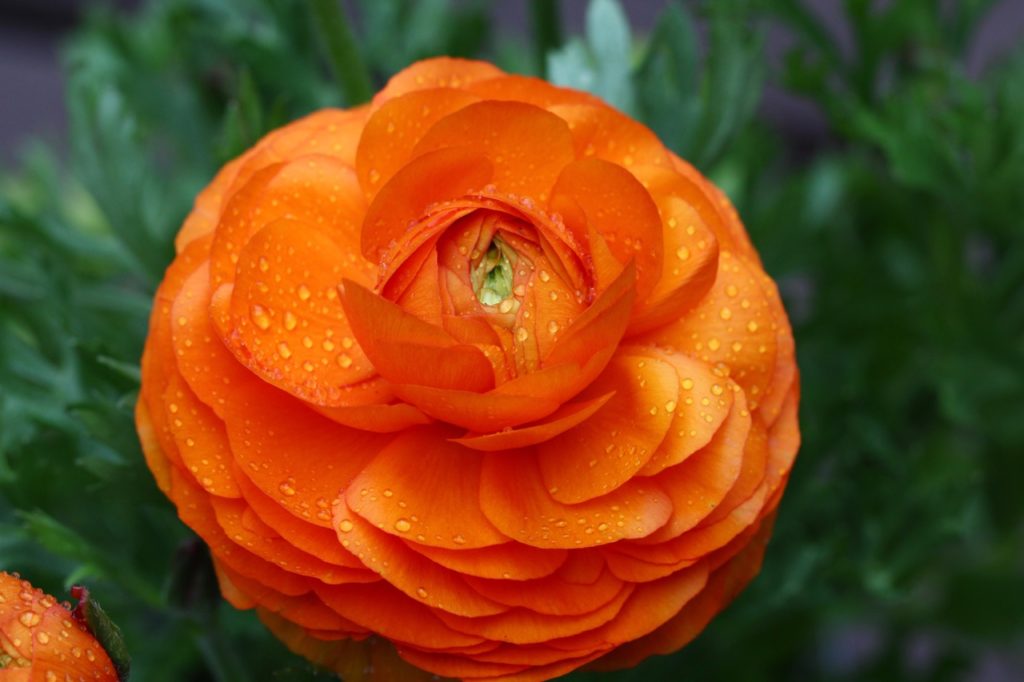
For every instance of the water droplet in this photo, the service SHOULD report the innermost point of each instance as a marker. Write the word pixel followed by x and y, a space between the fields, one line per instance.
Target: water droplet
pixel 421 593
pixel 345 526
pixel 459 540
pixel 726 314
pixel 345 361
pixel 347 342
pixel 29 619
pixel 374 176
pixel 552 327
pixel 304 292
pixel 260 317
pixel 731 290
pixel 402 525
pixel 687 384
pixel 286 489
pixel 714 344
pixel 388 492
pixel 264 264
pixel 682 253
pixel 328 345
pixel 670 406
pixel 290 321
pixel 284 350
pixel 522 334
pixel 308 366
pixel 751 326
pixel 43 638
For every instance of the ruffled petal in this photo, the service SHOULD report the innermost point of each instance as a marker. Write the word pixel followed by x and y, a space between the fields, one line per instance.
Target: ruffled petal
pixel 423 488
pixel 516 501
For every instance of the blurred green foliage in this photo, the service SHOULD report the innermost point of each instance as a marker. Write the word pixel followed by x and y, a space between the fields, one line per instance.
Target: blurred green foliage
pixel 896 236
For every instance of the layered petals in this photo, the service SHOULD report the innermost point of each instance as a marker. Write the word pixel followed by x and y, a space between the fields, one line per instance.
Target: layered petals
pixel 477 381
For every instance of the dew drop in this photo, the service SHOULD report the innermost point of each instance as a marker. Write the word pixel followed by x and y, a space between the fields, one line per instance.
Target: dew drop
pixel 284 350
pixel 403 525
pixel 260 317
pixel 345 526
pixel 304 292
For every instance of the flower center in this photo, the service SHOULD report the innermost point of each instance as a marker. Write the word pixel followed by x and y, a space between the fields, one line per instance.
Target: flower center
pixel 492 278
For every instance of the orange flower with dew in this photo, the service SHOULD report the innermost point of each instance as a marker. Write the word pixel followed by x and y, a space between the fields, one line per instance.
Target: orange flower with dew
pixel 478 379
pixel 40 640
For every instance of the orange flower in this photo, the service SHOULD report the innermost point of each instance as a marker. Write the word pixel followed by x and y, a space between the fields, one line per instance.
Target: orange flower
pixel 479 374
pixel 40 641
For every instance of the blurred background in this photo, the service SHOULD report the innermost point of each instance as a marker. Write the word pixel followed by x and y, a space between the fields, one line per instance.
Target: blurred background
pixel 874 149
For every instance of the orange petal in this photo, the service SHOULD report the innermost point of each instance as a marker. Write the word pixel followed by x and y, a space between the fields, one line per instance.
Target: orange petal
pixel 286 319
pixel 207 366
pixel 295 456
pixel 552 595
pixel 689 254
pixel 424 488
pixel 438 72
pixel 394 129
pixel 634 570
pixel 734 325
pixel 718 213
pixel 752 473
pixel 563 419
pixel 527 145
pixel 318 192
pixel 438 176
pixel 721 588
pixel 376 418
pixel 201 439
pixel 383 609
pixel 601 132
pixel 618 208
pixel 195 511
pixel 598 330
pixel 412 573
pixel 648 607
pixel 516 501
pixel 238 522
pixel 510 561
pixel 608 449
pixel 699 410
pixel 698 485
pixel 521 626
pixel 316 540
pixel 405 349
pixel 530 90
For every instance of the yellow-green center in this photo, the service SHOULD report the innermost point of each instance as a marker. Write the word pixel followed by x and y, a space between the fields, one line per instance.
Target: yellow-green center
pixel 492 277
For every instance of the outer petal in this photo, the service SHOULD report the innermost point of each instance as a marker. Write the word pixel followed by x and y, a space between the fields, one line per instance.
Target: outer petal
pixel 734 325
pixel 527 145
pixel 424 488
pixel 412 573
pixel 515 499
pixel 439 72
pixel 608 449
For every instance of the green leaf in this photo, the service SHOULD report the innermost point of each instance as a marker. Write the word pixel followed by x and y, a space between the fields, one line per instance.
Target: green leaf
pixel 602 63
pixel 106 632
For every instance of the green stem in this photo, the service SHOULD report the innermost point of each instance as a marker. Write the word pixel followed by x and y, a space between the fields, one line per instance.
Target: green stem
pixel 349 70
pixel 547 31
